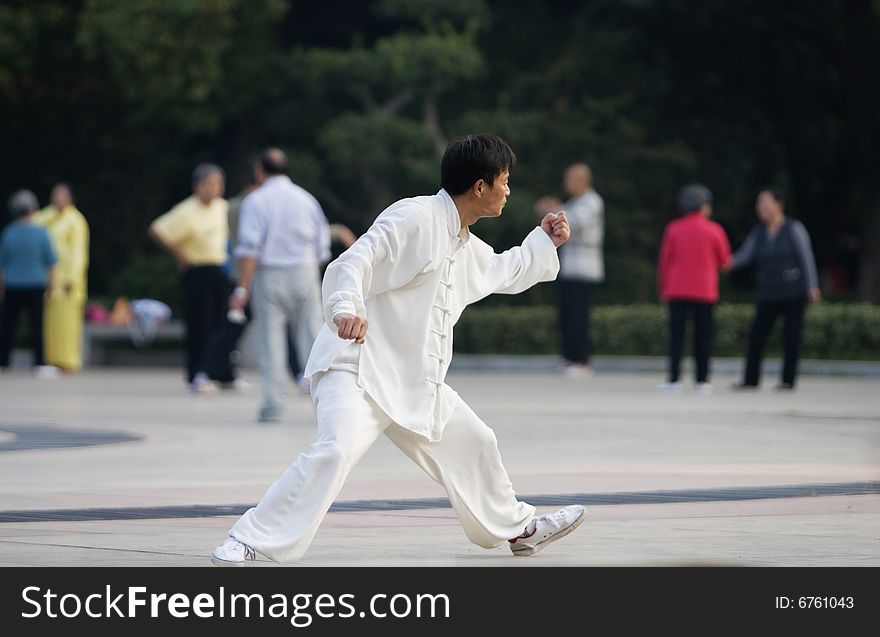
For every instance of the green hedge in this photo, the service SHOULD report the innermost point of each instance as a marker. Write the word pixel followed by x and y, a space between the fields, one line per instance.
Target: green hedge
pixel 843 332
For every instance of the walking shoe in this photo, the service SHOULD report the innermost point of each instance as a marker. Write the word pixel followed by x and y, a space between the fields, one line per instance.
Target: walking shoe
pixel 784 387
pixel 201 384
pixel 705 389
pixel 232 553
pixel 743 387
pixel 669 388
pixel 269 413
pixel 545 529
pixel 46 371
pixel 577 370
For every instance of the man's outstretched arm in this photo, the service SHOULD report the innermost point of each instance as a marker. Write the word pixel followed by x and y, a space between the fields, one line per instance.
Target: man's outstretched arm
pixel 519 268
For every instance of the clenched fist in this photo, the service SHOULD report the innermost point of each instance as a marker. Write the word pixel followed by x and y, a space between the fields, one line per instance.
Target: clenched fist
pixel 351 327
pixel 556 227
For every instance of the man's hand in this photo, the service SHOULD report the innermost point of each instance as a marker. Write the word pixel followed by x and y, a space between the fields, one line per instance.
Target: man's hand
pixel 555 224
pixel 238 299
pixel 351 327
pixel 815 295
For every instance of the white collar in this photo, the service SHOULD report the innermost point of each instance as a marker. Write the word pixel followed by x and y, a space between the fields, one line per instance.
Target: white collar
pixel 453 220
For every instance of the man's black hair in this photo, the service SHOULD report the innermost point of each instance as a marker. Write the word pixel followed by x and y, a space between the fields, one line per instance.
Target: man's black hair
pixel 774 192
pixel 474 157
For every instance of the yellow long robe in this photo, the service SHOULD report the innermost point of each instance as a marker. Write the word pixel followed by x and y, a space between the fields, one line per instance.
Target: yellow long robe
pixel 63 314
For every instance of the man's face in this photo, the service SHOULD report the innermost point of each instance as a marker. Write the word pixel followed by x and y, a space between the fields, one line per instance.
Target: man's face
pixel 495 196
pixel 576 180
pixel 209 188
pixel 767 208
pixel 61 197
pixel 572 183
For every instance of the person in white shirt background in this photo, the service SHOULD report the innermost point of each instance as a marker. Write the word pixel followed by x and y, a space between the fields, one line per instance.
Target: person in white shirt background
pixel 380 361
pixel 581 263
pixel 283 239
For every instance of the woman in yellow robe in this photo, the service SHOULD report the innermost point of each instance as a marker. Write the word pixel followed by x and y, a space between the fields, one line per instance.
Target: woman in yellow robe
pixel 63 317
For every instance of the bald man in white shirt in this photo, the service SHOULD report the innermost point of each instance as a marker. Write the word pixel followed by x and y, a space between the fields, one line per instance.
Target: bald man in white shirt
pixel 380 361
pixel 283 239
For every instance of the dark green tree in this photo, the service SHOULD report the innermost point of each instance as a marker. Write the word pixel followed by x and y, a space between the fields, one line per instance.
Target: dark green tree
pixel 382 133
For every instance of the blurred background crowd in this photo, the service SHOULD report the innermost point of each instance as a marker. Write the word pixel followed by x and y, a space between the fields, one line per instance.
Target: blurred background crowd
pixel 118 100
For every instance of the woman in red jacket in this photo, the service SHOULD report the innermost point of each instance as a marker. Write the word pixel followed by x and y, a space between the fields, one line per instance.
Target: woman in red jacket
pixel 693 251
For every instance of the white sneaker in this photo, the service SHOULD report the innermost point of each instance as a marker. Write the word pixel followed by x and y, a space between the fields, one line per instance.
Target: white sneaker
pixel 232 553
pixel 577 370
pixel 669 388
pixel 46 371
pixel 202 384
pixel 545 529
pixel 705 389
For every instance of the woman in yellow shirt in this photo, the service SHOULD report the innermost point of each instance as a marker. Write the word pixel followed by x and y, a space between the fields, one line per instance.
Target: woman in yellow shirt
pixel 63 316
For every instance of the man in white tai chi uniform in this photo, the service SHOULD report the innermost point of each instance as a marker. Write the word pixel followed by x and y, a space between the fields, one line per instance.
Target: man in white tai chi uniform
pixel 380 360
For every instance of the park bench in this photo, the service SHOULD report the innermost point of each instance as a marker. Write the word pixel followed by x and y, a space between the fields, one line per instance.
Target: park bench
pixel 96 337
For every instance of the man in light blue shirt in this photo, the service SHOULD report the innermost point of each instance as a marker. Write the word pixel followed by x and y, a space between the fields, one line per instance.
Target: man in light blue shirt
pixel 283 239
pixel 27 260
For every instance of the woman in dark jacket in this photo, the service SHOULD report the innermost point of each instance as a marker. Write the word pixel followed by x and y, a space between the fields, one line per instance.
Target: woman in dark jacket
pixel 787 280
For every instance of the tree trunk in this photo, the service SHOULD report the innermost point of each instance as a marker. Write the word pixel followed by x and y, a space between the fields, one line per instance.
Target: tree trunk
pixel 432 124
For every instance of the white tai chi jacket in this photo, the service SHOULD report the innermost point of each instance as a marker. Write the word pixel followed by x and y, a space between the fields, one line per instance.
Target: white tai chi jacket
pixel 411 276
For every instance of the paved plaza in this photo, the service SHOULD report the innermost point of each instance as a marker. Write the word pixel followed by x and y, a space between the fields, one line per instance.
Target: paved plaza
pixel 122 467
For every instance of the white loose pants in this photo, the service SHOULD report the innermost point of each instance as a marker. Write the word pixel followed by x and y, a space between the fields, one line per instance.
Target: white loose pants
pixel 465 461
